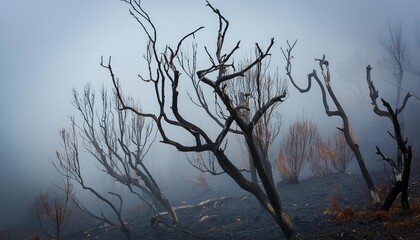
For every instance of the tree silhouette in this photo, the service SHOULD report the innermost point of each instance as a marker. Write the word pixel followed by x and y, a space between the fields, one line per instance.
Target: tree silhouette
pixel 119 141
pixel 402 165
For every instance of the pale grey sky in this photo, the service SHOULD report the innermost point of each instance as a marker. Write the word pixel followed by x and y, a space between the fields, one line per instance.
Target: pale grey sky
pixel 47 47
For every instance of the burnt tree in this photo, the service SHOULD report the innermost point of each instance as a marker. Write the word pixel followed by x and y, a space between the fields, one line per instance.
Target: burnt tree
pixel 327 91
pixel 164 73
pixel 401 166
pixel 119 142
pixel 53 210
pixel 68 165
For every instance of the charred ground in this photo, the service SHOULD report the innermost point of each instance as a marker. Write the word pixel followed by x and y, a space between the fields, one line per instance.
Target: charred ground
pixel 331 207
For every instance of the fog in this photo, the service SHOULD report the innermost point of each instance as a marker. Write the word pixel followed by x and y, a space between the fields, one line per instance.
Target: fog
pixel 48 47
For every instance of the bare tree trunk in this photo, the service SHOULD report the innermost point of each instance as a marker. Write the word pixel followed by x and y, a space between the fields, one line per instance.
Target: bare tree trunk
pixel 266 200
pixel 401 179
pixel 268 168
pixel 254 178
pixel 156 193
pixel 264 158
pixel 355 148
pixel 405 178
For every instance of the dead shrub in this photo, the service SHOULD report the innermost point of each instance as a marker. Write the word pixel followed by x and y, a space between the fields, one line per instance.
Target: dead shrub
pixel 53 209
pixel 201 180
pixel 334 206
pixel 342 214
pixel 282 166
pixel 296 149
pixel 342 152
pixel 320 163
pixel 346 214
pixel 396 218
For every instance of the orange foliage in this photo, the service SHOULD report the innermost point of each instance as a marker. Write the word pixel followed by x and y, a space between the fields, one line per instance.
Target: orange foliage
pixel 395 218
pixel 284 169
pixel 341 214
pixel 334 206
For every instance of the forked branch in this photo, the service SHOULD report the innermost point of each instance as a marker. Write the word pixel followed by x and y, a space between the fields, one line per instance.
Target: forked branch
pixel 373 93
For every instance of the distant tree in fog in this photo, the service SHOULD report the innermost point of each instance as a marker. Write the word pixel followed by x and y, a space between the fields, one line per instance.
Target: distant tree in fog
pixel 297 148
pixel 327 91
pixel 218 105
pixel 396 59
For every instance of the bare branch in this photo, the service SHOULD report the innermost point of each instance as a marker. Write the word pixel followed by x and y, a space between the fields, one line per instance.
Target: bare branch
pixel 386 158
pixel 247 68
pixel 69 162
pixel 373 93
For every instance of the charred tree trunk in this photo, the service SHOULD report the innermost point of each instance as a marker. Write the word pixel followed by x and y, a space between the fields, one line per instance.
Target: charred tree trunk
pixel 270 201
pixel 268 168
pixel 359 157
pixel 405 178
pixel 155 192
pixel 252 169
pixel 263 157
pixel 401 179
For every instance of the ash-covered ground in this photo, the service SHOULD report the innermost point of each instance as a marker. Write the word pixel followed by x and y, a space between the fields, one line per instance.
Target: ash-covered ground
pixel 224 211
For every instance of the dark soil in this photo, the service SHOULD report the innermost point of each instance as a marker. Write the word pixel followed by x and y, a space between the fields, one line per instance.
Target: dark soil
pixel 332 207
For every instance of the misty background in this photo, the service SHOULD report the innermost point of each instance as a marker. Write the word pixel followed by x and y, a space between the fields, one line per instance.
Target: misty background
pixel 49 47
